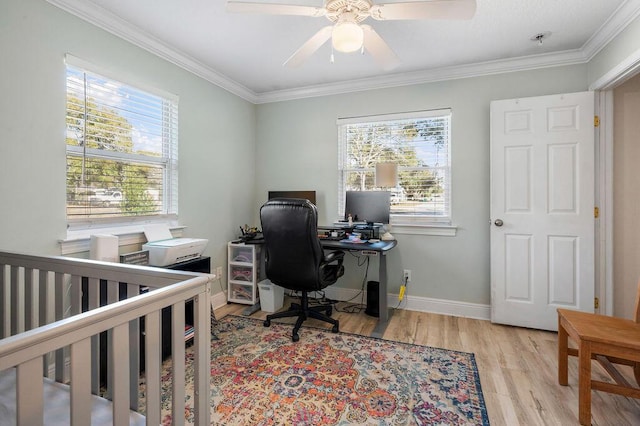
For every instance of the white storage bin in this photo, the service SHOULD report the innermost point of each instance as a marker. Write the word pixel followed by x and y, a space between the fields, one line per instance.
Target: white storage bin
pixel 271 296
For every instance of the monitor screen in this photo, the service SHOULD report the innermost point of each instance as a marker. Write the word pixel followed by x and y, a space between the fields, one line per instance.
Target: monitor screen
pixel 368 206
pixel 308 195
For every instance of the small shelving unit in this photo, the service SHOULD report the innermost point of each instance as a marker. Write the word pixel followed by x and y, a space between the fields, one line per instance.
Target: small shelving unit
pixel 243 273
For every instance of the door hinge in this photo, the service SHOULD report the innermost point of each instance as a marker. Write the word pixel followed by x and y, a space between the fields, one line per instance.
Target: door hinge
pixel 596 121
pixel 596 212
pixel 596 303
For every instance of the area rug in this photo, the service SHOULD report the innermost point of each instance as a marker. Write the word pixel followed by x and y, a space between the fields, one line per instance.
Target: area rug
pixel 260 377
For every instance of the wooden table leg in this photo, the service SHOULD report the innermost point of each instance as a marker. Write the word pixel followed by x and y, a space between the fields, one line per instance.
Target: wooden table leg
pixel 584 383
pixel 563 354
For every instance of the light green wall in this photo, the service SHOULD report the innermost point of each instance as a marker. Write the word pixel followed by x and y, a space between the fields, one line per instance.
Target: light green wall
pixel 216 128
pixel 292 145
pixel 297 149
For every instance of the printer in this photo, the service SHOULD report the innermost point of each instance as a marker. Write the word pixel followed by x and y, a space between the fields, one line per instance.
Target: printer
pixel 165 250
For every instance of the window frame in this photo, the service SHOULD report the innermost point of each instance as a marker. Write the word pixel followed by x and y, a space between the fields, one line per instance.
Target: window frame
pixel 168 160
pixel 405 223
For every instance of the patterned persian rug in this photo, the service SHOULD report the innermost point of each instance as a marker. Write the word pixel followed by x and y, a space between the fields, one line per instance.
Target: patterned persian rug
pixel 260 377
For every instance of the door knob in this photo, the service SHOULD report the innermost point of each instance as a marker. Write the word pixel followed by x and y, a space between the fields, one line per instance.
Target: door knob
pixel 498 222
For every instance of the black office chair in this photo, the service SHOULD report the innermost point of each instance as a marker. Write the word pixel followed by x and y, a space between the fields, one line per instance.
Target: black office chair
pixel 295 259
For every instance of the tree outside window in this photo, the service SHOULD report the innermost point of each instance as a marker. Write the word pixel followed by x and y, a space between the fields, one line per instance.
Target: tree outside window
pixel 121 149
pixel 418 143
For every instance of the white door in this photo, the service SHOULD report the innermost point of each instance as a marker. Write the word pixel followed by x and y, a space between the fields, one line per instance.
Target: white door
pixel 542 208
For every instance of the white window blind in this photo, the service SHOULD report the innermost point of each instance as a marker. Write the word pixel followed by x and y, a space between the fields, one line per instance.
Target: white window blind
pixel 419 142
pixel 122 149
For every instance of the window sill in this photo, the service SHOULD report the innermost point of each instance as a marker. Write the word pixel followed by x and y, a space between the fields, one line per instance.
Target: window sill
pixel 80 240
pixel 442 230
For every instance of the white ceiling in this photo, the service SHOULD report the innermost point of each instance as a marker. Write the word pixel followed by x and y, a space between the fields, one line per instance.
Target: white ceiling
pixel 244 53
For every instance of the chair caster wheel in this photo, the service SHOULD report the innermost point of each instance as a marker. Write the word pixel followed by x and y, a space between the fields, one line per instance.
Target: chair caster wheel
pixel 335 329
pixel 266 323
pixel 295 337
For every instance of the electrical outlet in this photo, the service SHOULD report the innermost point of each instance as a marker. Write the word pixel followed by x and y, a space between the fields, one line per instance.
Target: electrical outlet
pixel 407 276
pixel 218 272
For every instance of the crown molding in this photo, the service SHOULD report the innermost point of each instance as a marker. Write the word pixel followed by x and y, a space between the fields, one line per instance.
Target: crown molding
pixel 501 66
pixel 109 22
pixel 617 22
pixel 113 24
pixel 626 13
pixel 618 74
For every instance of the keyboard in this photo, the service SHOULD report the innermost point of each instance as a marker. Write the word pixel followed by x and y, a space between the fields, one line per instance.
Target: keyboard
pixel 329 238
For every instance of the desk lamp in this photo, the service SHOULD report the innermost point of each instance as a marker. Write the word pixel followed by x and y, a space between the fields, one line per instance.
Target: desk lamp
pixel 386 177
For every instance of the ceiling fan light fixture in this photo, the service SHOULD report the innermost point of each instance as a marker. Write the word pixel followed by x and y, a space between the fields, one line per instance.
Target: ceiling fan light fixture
pixel 347 36
pixel 346 16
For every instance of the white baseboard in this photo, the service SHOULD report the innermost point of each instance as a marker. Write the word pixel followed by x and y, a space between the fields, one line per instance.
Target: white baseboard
pixel 417 303
pixel 218 300
pixel 411 303
pixel 446 307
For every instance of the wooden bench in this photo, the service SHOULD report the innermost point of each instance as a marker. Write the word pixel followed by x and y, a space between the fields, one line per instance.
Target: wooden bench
pixel 608 340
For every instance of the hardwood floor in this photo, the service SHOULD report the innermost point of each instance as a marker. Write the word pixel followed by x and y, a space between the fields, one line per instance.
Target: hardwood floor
pixel 518 366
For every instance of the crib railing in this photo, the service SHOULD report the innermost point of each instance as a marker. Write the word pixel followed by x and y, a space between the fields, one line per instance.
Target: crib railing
pixel 41 313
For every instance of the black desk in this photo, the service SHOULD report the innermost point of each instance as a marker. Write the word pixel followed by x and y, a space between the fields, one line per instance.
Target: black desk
pixel 380 250
pixel 200 264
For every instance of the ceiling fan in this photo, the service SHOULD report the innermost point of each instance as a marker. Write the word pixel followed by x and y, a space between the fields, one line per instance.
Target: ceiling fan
pixel 347 34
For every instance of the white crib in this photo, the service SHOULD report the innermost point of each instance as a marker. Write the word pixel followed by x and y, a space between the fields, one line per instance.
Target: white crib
pixel 49 346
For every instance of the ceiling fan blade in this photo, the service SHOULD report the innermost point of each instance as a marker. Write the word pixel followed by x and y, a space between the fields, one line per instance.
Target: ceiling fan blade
pixel 429 9
pixel 274 9
pixel 309 47
pixel 379 49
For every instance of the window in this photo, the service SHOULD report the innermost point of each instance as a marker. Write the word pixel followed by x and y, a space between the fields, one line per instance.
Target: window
pixel 419 142
pixel 122 149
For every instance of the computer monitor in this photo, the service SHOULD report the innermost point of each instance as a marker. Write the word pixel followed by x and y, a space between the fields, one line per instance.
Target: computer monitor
pixel 368 206
pixel 308 195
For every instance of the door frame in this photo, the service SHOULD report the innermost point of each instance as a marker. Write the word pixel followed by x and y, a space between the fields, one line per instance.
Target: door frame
pixel 603 250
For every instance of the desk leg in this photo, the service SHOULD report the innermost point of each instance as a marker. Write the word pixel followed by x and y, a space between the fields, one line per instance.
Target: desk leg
pixel 384 312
